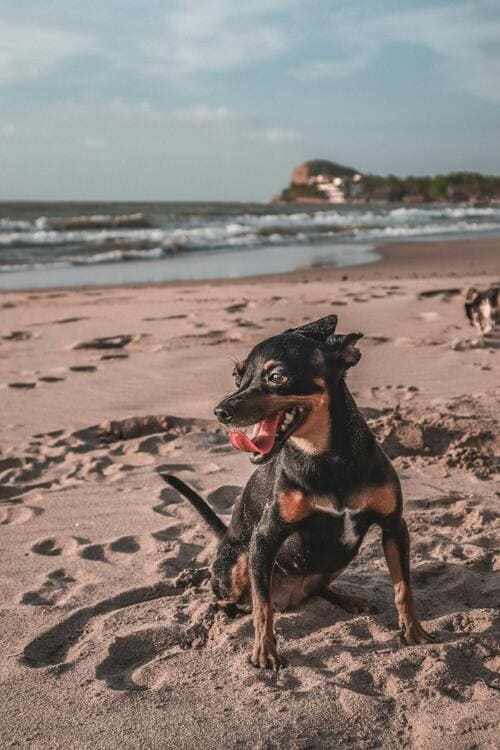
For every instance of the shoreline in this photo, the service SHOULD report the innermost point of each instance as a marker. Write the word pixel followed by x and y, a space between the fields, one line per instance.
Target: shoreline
pixel 397 260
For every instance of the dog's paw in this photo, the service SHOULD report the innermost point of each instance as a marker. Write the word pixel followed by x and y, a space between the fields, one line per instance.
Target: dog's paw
pixel 414 633
pixel 265 655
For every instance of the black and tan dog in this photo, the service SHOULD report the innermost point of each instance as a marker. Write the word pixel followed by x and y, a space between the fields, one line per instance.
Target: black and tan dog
pixel 321 481
pixel 483 308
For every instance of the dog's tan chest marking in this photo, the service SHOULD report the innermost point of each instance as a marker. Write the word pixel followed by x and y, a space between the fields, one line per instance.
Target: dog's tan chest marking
pixel 294 506
pixel 381 500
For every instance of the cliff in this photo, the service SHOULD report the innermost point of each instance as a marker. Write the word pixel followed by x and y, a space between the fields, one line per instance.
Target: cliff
pixel 324 181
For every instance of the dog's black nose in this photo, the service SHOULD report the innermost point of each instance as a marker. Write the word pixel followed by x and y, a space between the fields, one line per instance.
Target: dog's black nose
pixel 223 414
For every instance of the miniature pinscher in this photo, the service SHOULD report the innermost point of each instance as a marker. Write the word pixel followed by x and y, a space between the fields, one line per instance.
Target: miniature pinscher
pixel 321 481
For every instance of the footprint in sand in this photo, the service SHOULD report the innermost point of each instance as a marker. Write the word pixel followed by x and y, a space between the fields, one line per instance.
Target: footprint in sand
pixel 106 357
pixel 215 337
pixel 113 552
pixel 129 341
pixel 56 587
pixel 222 498
pixel 83 368
pixel 18 336
pixel 444 294
pixel 106 342
pixel 10 462
pixel 394 291
pixel 55 546
pixel 128 654
pixel 17 514
pixel 391 394
pixel 55 645
pixel 63 321
pixel 134 427
pixel 237 307
pixel 179 316
pixel 135 659
pixel 358 680
pixel 11 494
pixel 179 553
pixel 168 497
pixel 244 323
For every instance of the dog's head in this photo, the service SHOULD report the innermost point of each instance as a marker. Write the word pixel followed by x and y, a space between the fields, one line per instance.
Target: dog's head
pixel 284 387
pixel 480 308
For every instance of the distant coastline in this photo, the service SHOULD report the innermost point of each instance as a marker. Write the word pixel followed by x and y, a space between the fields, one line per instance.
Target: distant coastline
pixel 320 181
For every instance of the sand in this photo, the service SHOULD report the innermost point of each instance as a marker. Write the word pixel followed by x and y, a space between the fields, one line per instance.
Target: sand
pixel 110 637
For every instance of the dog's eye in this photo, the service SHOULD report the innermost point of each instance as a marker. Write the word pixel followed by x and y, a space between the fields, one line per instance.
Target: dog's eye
pixel 278 378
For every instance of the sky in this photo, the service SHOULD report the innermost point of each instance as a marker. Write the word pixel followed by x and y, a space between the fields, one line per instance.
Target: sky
pixel 219 99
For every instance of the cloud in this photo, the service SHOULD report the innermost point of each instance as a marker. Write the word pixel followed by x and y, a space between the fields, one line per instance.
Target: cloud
pixel 202 115
pixel 185 41
pixel 281 135
pixel 200 36
pixel 465 37
pixel 115 108
pixel 218 118
pixel 27 52
pixel 243 124
pixel 138 111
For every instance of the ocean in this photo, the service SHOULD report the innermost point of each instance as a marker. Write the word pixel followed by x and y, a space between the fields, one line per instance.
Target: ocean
pixel 45 245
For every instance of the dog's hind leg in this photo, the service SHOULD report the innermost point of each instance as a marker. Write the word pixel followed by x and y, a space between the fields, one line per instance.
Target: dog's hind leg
pixel 349 602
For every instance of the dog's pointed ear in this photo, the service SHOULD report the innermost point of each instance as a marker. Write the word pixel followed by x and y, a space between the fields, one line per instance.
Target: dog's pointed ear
pixel 319 330
pixel 471 295
pixel 344 347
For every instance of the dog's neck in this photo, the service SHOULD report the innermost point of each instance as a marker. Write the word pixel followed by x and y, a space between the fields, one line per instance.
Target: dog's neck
pixel 348 426
pixel 346 441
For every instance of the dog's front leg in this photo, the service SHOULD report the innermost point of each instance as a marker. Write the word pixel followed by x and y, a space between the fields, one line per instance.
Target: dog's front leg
pixel 267 538
pixel 396 543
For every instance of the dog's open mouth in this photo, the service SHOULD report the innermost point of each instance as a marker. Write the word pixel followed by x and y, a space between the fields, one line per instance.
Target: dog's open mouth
pixel 268 435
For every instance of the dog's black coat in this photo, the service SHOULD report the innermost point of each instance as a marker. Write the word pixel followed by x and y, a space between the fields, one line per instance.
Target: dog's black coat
pixel 305 510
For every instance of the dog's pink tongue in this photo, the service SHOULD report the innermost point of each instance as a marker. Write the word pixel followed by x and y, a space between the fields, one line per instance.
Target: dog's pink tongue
pixel 262 439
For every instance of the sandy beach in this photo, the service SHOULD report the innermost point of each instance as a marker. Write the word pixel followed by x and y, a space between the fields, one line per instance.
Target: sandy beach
pixel 110 635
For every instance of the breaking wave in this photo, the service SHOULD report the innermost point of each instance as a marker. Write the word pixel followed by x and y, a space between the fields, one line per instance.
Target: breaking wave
pixel 31 242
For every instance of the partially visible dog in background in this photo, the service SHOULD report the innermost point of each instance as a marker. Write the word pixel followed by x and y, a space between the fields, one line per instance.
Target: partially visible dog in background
pixel 482 308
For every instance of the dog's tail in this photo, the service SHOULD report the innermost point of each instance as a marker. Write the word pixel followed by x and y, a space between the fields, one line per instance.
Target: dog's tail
pixel 209 516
